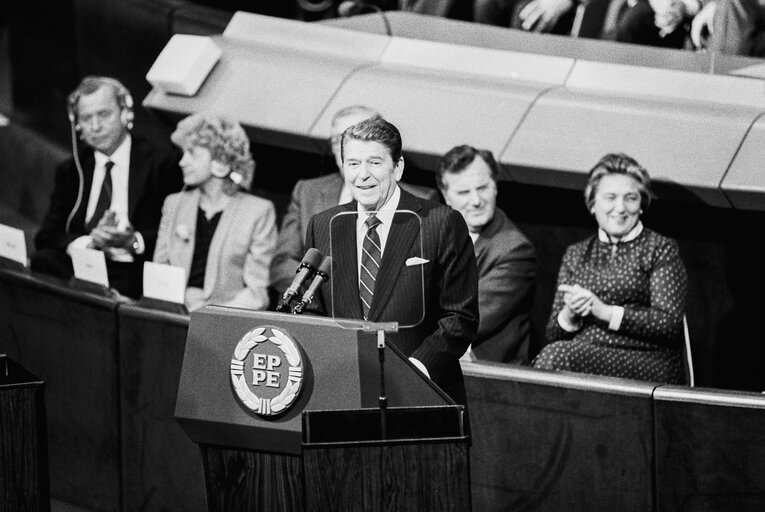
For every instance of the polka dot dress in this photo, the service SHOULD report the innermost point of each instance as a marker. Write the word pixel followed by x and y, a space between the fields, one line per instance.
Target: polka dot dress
pixel 645 276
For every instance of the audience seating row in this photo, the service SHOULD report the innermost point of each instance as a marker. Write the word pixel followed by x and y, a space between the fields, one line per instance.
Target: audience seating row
pixel 541 441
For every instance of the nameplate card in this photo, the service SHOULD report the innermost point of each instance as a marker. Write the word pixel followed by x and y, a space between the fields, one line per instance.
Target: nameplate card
pixel 164 282
pixel 90 265
pixel 13 245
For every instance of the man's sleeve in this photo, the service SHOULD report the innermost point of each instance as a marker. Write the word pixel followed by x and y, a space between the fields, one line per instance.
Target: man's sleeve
pixel 52 233
pixel 456 286
pixel 254 295
pixel 506 287
pixel 289 248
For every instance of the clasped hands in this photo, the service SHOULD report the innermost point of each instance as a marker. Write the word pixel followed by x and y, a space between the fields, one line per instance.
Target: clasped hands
pixel 580 302
pixel 109 234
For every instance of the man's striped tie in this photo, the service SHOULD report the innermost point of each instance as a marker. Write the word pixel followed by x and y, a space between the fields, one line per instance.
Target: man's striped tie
pixel 371 254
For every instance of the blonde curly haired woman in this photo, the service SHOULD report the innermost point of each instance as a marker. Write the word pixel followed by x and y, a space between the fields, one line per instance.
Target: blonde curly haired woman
pixel 223 236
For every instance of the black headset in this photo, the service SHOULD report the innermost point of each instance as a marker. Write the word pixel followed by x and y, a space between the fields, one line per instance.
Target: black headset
pixel 124 99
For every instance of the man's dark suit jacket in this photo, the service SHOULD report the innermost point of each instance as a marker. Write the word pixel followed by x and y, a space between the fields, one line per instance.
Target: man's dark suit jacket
pixel 449 281
pixel 506 271
pixel 154 174
pixel 310 197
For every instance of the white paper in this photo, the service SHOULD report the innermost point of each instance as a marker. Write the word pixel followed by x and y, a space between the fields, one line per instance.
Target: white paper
pixel 164 282
pixel 90 265
pixel 13 245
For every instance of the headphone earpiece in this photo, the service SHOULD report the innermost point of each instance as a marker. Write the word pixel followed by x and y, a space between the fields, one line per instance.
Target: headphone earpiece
pixel 127 115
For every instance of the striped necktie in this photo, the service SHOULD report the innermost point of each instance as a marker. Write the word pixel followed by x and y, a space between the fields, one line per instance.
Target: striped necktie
pixel 371 254
pixel 104 197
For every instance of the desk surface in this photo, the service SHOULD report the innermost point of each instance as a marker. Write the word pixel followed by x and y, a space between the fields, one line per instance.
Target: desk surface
pixel 444 82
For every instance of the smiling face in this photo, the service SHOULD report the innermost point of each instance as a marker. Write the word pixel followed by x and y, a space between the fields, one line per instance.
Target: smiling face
pixel 617 204
pixel 370 172
pixel 473 193
pixel 196 165
pixel 98 118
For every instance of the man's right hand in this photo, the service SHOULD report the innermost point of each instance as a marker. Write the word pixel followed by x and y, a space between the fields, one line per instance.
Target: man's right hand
pixel 104 233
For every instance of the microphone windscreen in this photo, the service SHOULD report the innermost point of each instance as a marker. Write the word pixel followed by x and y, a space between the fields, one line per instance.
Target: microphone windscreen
pixel 326 267
pixel 346 8
pixel 312 258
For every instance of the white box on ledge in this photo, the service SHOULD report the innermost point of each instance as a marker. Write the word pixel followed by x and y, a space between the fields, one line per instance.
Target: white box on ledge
pixel 184 64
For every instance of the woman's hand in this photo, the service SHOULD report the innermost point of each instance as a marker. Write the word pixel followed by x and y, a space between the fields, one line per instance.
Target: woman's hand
pixel 577 299
pixel 581 302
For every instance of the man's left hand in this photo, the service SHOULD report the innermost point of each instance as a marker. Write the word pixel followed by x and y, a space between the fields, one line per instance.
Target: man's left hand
pixel 113 237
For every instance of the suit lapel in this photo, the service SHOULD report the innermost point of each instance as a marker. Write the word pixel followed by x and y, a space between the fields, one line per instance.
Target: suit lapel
pixel 345 297
pixel 494 226
pixel 403 232
pixel 188 205
pixel 88 165
pixel 219 241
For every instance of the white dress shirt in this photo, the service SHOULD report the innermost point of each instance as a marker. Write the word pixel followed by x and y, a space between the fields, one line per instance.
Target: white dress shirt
pixel 385 214
pixel 120 177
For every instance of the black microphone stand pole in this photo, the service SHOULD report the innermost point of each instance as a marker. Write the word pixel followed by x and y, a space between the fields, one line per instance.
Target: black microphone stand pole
pixel 383 400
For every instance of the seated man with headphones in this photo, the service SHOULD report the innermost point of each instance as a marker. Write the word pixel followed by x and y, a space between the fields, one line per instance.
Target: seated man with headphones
pixel 109 195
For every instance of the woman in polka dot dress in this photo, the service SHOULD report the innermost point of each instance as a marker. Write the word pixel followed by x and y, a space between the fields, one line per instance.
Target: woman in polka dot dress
pixel 621 293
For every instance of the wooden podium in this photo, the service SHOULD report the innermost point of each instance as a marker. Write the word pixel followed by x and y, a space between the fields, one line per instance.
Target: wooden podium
pixel 23 443
pixel 327 451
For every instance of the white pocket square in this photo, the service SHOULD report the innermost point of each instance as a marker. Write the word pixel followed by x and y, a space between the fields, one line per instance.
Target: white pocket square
pixel 416 261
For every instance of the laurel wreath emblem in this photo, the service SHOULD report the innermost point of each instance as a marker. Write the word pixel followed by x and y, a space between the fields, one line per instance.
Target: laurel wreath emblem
pixel 283 400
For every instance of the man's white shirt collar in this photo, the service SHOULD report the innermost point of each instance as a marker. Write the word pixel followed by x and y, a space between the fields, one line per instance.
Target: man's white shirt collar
pixel 385 214
pixel 386 211
pixel 120 157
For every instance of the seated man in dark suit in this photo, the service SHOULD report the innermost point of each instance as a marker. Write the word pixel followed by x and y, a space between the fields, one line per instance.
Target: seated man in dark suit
pixel 310 197
pixel 389 262
pixel 506 260
pixel 109 195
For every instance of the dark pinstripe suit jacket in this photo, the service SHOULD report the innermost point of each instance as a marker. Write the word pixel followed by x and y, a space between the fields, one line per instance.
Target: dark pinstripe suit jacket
pixel 448 302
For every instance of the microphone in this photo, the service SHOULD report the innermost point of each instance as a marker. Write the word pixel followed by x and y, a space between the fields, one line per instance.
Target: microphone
pixel 353 7
pixel 322 275
pixel 311 260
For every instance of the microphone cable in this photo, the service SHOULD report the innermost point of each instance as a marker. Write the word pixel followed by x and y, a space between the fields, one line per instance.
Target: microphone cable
pixel 80 174
pixel 348 8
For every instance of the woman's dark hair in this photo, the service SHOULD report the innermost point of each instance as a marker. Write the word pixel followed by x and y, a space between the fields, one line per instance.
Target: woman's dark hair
pixel 618 163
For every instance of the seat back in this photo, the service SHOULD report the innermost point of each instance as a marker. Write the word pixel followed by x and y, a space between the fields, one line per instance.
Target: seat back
pixel 690 376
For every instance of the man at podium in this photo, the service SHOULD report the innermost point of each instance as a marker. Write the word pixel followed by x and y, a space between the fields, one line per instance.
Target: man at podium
pixel 398 258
